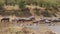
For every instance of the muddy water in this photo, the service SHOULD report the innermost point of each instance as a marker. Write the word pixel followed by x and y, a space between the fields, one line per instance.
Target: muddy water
pixel 55 29
pixel 33 26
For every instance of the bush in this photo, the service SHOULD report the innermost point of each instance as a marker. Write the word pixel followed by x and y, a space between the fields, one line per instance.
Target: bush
pixel 47 3
pixel 21 3
pixel 46 14
pixel 29 2
pixel 1 5
pixel 1 8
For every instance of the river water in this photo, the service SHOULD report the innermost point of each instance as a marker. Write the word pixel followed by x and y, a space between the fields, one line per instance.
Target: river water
pixel 55 28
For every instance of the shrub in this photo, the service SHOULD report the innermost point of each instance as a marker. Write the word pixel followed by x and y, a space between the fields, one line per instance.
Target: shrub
pixel 48 3
pixel 21 3
pixel 1 7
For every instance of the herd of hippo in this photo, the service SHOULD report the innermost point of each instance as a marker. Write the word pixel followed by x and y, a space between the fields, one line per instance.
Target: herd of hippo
pixel 18 19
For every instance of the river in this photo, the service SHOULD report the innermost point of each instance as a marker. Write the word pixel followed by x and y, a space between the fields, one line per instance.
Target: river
pixel 55 28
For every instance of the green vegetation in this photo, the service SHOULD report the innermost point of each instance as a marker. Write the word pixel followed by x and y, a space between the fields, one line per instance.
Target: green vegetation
pixel 44 3
pixel 47 3
pixel 21 3
pixel 51 6
pixel 1 8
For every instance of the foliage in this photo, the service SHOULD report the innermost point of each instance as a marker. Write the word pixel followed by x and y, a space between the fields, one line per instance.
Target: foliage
pixel 31 2
pixel 1 4
pixel 1 7
pixel 21 3
pixel 42 3
pixel 47 3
